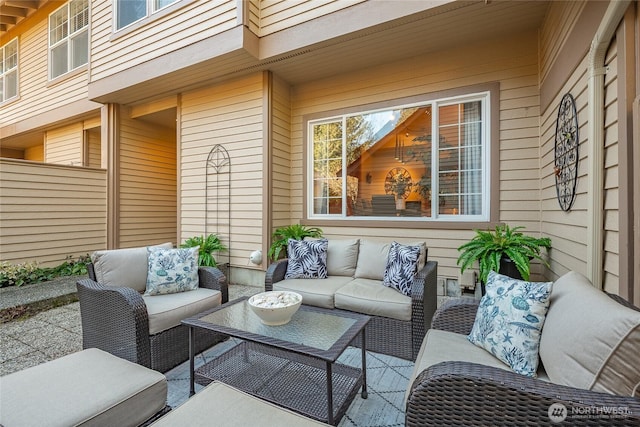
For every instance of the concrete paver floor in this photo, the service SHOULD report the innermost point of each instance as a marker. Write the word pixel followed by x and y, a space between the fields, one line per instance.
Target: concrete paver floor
pixel 55 333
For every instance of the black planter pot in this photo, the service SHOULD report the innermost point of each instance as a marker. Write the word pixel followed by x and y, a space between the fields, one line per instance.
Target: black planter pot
pixel 507 268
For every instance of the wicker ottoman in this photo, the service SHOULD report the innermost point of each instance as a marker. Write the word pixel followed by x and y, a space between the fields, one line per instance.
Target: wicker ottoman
pixel 90 387
pixel 224 406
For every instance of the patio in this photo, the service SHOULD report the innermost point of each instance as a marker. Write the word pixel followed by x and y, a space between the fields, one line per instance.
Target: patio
pixel 56 332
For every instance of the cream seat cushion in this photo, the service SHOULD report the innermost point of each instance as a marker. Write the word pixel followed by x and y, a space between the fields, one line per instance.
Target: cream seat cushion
pixel 123 267
pixel 90 387
pixel 167 311
pixel 444 346
pixel 317 292
pixel 371 297
pixel 590 341
pixel 224 406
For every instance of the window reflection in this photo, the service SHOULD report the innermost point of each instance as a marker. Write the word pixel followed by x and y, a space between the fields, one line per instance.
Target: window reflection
pixel 381 164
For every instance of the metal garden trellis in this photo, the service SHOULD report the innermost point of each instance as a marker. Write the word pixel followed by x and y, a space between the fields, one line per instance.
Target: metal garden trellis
pixel 218 202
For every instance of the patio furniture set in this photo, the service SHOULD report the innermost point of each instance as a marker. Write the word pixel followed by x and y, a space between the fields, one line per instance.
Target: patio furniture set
pixel 288 375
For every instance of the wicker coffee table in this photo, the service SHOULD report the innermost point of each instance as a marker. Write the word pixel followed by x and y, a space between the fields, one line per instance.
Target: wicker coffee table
pixel 292 365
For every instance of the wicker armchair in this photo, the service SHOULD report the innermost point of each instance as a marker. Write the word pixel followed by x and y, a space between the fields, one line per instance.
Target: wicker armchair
pixel 115 319
pixel 385 335
pixel 471 394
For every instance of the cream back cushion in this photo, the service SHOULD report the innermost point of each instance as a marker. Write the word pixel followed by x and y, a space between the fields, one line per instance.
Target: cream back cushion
pixel 123 267
pixel 590 341
pixel 422 259
pixel 342 256
pixel 372 259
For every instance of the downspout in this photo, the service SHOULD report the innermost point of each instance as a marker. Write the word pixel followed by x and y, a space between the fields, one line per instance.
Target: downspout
pixel 595 176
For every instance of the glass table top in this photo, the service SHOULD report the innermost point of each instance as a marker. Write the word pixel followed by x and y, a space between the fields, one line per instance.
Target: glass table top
pixel 312 330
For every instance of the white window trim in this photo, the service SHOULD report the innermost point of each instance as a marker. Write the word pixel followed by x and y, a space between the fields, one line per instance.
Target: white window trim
pixel 68 40
pixel 150 12
pixel 483 96
pixel 17 70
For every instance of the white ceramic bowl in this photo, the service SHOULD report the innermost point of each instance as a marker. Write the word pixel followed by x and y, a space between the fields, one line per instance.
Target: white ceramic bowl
pixel 275 307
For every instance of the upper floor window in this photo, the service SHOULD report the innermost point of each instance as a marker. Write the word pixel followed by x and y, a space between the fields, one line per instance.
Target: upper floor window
pixel 9 70
pixel 68 37
pixel 428 161
pixel 130 11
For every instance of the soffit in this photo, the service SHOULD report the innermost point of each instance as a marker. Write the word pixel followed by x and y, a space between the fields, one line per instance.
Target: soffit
pixel 433 30
pixel 12 12
pixel 417 35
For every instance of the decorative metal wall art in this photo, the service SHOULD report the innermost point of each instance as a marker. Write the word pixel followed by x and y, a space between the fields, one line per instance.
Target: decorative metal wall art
pixel 398 182
pixel 566 152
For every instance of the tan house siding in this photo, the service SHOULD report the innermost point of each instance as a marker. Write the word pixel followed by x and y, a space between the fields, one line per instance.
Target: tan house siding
pixel 277 15
pixel 156 35
pixel 37 95
pixel 49 212
pixel 281 158
pixel 512 62
pixel 611 182
pixel 558 25
pixel 252 18
pixel 567 230
pixel 64 145
pixel 35 153
pixel 232 115
pixel 147 198
pixel 93 145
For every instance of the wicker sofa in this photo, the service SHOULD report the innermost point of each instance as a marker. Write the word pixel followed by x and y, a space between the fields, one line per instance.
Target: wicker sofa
pixel 588 375
pixel 117 318
pixel 356 269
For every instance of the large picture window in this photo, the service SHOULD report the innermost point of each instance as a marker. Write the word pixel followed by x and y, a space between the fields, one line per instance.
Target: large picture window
pixel 426 162
pixel 9 71
pixel 68 38
pixel 130 11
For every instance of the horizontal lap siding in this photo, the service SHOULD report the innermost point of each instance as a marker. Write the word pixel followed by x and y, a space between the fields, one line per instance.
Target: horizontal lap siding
pixel 611 184
pixel 512 62
pixel 559 23
pixel 64 145
pixel 567 230
pixel 148 177
pixel 230 114
pixel 37 96
pixel 187 25
pixel 277 15
pixel 281 159
pixel 94 146
pixel 50 212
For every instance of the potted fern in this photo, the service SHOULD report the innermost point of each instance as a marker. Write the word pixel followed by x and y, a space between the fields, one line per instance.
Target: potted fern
pixel 496 250
pixel 207 245
pixel 281 236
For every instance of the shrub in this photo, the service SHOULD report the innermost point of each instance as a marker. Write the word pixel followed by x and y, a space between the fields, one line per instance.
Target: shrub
pixel 20 274
pixel 282 235
pixel 30 272
pixel 207 245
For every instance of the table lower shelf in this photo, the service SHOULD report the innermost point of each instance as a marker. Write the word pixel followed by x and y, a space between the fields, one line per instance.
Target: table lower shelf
pixel 287 379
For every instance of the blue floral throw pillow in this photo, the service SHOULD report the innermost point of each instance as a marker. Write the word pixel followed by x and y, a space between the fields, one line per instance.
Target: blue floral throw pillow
pixel 402 265
pixel 509 321
pixel 307 259
pixel 171 270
